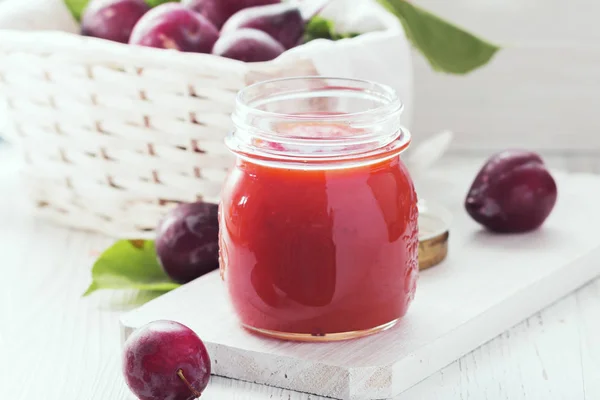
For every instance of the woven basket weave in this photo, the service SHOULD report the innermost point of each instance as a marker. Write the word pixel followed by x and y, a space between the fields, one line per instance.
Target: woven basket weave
pixel 114 135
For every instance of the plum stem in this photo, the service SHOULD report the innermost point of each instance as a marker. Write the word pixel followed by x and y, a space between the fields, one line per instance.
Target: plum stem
pixel 182 377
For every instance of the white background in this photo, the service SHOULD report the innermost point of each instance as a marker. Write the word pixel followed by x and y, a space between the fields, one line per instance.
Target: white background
pixel 542 91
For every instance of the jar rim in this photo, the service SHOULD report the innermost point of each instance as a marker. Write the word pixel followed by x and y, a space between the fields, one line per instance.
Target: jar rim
pixel 318 121
pixel 394 105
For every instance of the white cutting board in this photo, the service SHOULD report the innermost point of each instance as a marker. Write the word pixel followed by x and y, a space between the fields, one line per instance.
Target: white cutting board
pixel 487 284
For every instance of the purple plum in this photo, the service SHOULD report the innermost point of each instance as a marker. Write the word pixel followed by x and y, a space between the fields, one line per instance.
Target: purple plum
pixel 112 19
pixel 173 26
pixel 513 192
pixel 219 11
pixel 249 45
pixel 165 360
pixel 187 241
pixel 283 22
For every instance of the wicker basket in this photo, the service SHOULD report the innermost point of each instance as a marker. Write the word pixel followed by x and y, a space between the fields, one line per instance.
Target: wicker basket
pixel 114 135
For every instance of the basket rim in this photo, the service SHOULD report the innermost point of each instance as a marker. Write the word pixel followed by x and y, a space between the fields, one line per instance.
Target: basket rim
pixel 90 50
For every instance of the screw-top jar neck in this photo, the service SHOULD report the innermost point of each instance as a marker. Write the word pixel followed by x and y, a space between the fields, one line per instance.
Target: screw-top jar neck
pixel 317 122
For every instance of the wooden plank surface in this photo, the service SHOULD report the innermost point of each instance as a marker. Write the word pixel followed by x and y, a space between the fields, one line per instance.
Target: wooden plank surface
pixel 487 284
pixel 63 347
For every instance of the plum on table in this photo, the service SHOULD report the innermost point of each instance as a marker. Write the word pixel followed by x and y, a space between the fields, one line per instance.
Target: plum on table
pixel 112 19
pixel 187 241
pixel 219 11
pixel 173 26
pixel 513 192
pixel 249 45
pixel 165 360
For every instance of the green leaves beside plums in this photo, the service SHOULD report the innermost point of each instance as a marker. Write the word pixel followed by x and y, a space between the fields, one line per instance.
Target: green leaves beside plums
pixel 446 47
pixel 129 264
pixel 154 3
pixel 321 28
pixel 76 7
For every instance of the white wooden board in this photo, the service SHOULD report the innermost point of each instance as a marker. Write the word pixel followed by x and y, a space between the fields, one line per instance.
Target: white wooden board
pixel 488 284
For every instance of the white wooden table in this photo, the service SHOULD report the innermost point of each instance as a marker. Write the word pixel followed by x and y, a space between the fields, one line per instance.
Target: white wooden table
pixel 54 345
pixel 62 347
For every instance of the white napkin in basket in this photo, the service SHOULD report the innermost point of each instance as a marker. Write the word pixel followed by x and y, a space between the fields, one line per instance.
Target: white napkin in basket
pixel 36 15
pixel 382 54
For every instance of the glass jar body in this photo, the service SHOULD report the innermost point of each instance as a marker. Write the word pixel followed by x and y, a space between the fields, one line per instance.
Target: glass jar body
pixel 318 219
pixel 312 254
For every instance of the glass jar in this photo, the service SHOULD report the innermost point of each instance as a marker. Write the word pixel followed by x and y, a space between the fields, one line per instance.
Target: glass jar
pixel 318 219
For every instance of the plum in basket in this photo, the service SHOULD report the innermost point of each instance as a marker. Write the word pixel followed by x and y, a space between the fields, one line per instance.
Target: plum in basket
pixel 173 26
pixel 513 192
pixel 112 19
pixel 283 22
pixel 187 241
pixel 219 11
pixel 249 45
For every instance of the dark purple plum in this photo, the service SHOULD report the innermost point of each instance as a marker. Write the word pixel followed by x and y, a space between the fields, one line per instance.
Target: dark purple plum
pixel 112 19
pixel 248 45
pixel 173 26
pixel 283 22
pixel 165 360
pixel 513 192
pixel 219 11
pixel 187 241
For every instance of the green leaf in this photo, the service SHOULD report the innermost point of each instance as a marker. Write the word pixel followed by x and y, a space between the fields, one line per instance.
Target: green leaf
pixel 318 28
pixel 154 3
pixel 76 7
pixel 446 47
pixel 129 264
pixel 321 28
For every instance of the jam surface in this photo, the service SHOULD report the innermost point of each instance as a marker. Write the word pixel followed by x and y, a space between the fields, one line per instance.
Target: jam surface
pixel 319 251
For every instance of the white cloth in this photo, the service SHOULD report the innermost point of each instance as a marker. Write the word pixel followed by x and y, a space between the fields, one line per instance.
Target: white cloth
pixel 382 54
pixel 37 15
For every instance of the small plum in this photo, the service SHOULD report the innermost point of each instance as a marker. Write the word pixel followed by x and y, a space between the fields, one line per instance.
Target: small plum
pixel 249 45
pixel 513 192
pixel 282 21
pixel 219 11
pixel 112 19
pixel 187 241
pixel 165 360
pixel 173 26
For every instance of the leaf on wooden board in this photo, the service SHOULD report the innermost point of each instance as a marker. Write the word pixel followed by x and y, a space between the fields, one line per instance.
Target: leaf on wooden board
pixel 447 47
pixel 129 264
